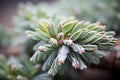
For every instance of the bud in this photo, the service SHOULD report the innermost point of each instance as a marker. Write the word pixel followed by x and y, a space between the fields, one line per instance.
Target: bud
pixel 82 22
pixel 60 25
pixel 82 50
pixel 61 59
pixel 19 77
pixel 95 48
pixel 53 41
pixel 61 62
pixel 75 22
pixel 76 66
pixel 60 35
pixel 75 63
pixel 13 67
pixel 104 27
pixel 9 77
pixel 41 48
pixel 68 42
pixel 48 25
pixel 116 43
pixel 37 66
pixel 104 36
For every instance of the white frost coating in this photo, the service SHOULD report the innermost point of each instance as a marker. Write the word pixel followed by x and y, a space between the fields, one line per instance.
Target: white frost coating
pixel 53 41
pixel 74 62
pixel 32 59
pixel 63 54
pixel 68 42
pixel 78 48
pixel 82 66
pixel 75 48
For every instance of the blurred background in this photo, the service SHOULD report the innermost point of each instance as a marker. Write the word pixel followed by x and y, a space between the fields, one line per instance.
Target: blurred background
pixel 13 41
pixel 8 9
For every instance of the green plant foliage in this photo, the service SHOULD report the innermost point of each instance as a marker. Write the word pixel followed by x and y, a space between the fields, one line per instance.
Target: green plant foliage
pixel 5 38
pixel 27 14
pixel 16 69
pixel 107 12
pixel 104 11
pixel 67 40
